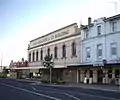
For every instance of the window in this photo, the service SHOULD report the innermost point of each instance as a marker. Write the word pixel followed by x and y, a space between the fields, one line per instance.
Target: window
pixel 48 51
pixel 113 49
pixel 99 51
pixel 87 33
pixel 29 57
pixel 98 30
pixel 73 49
pixel 37 56
pixel 114 26
pixel 87 52
pixel 41 54
pixel 55 52
pixel 33 56
pixel 64 51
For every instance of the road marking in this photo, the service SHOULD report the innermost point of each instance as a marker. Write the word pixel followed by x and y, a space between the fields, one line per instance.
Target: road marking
pixel 32 92
pixel 34 88
pixel 69 95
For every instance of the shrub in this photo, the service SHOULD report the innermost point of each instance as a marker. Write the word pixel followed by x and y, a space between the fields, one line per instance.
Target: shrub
pixel 3 75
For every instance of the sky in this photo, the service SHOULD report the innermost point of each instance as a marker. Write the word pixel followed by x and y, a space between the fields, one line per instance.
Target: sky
pixel 24 20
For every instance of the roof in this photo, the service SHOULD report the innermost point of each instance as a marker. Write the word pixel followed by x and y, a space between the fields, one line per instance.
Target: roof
pixel 86 26
pixel 112 18
pixel 54 31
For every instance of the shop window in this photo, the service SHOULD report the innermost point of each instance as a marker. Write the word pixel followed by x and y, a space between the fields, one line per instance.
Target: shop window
pixel 117 73
pixel 109 73
pixel 91 73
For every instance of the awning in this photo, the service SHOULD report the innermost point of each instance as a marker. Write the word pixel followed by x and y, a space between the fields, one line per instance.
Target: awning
pixel 38 67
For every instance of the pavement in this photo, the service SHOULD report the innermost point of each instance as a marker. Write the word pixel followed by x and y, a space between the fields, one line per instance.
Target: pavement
pixel 12 89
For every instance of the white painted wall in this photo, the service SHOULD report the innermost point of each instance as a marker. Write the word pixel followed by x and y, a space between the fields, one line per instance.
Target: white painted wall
pixel 106 38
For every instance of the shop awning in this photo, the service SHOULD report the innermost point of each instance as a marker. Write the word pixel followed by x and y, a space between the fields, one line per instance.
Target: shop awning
pixel 37 67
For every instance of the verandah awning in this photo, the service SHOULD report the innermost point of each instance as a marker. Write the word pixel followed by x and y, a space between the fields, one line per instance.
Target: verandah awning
pixel 37 67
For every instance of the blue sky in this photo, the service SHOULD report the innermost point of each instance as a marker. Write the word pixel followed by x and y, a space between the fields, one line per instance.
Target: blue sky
pixel 23 20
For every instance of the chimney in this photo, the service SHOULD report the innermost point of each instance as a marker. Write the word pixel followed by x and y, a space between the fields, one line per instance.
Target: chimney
pixel 89 20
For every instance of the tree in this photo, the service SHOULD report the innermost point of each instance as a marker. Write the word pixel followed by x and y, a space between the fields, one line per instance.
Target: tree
pixel 48 63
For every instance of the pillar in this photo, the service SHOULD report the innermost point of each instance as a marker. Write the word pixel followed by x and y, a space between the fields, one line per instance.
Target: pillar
pixel 113 73
pixel 88 74
pixel 82 76
pixel 94 76
pixel 31 56
pixel 77 75
pixel 106 76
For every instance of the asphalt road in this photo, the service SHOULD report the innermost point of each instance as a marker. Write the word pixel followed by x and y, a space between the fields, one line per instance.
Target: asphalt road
pixel 11 89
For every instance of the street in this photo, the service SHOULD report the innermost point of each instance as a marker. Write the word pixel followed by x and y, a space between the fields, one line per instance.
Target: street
pixel 11 89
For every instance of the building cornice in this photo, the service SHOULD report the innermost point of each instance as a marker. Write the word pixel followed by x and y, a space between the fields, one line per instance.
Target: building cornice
pixel 55 40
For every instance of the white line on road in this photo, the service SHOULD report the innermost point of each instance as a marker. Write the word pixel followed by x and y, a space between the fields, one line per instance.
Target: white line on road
pixel 71 96
pixel 32 92
pixel 34 88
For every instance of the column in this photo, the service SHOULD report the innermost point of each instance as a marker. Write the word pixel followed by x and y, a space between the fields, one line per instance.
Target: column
pixel 77 75
pixel 113 73
pixel 82 76
pixel 94 76
pixel 88 74
pixel 106 75
pixel 104 78
pixel 35 55
pixel 31 56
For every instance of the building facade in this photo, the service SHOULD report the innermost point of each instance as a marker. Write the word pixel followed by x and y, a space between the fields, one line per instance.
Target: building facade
pixel 100 50
pixel 64 45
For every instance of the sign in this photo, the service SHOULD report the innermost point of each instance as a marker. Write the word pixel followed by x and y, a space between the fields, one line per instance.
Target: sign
pixel 50 38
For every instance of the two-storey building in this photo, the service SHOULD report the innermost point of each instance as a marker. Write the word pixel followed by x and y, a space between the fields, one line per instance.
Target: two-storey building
pixel 100 46
pixel 64 45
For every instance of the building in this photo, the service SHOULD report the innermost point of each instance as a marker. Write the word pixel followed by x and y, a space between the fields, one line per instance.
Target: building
pixel 100 46
pixel 19 69
pixel 64 44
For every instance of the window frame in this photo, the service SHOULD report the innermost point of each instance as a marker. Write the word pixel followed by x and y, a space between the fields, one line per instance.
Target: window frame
pixel 111 48
pixel 114 26
pixel 99 29
pixel 29 57
pixel 55 52
pixel 33 57
pixel 73 49
pixel 41 54
pixel 64 51
pixel 88 49
pixel 99 46
pixel 37 54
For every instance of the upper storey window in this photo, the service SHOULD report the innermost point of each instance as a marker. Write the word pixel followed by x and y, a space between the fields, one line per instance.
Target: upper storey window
pixel 99 30
pixel 114 26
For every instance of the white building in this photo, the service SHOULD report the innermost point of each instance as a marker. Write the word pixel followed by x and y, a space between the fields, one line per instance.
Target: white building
pixel 100 49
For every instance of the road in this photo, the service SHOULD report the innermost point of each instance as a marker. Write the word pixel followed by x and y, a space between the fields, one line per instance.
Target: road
pixel 11 89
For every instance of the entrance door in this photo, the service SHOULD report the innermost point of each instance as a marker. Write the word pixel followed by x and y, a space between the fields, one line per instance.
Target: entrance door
pixel 99 76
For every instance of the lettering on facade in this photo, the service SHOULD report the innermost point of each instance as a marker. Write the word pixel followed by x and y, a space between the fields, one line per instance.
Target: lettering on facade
pixel 50 38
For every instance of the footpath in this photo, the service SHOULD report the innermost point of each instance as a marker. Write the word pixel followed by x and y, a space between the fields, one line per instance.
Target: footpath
pixel 111 88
